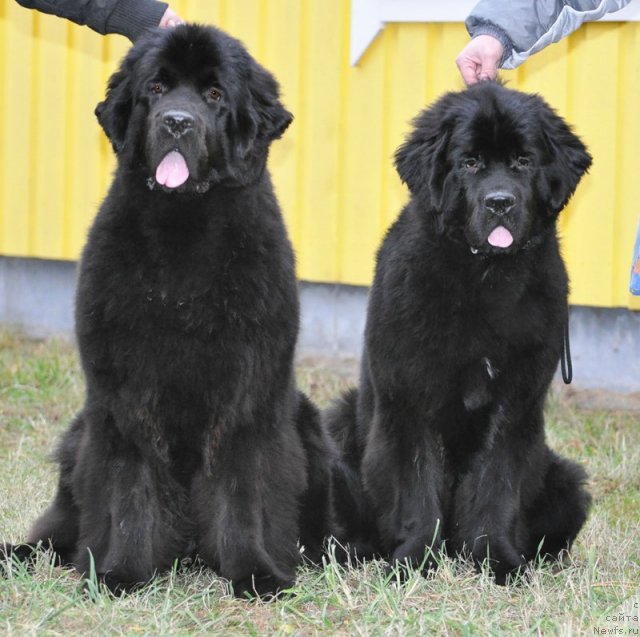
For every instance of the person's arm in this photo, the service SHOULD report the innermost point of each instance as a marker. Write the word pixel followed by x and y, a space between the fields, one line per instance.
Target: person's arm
pixel 524 27
pixel 125 17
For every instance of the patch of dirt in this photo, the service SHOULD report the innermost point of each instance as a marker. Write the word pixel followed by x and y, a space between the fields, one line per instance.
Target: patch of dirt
pixel 600 399
pixel 347 369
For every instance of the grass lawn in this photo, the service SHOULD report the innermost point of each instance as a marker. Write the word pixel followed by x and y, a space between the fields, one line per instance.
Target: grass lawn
pixel 597 592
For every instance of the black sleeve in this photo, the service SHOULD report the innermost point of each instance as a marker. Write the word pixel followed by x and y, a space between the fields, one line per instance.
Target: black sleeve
pixel 126 17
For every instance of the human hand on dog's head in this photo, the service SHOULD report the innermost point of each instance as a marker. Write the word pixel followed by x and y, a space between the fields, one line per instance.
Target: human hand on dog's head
pixel 479 60
pixel 170 19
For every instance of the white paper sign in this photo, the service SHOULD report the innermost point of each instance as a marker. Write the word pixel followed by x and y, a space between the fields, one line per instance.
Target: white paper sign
pixel 368 17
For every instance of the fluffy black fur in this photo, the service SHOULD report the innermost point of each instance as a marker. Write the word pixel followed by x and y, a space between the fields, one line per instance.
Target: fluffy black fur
pixel 444 440
pixel 193 439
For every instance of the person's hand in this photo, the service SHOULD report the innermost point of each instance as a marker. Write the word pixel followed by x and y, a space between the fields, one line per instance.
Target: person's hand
pixel 479 59
pixel 170 19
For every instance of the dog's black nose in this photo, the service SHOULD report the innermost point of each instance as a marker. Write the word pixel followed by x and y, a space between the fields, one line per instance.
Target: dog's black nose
pixel 178 122
pixel 499 203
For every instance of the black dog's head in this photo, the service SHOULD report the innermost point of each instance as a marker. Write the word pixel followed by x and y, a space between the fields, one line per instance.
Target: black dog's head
pixel 190 108
pixel 495 166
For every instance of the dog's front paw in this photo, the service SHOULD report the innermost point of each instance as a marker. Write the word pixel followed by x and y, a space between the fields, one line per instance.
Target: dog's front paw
pixel 416 555
pixel 12 554
pixel 112 584
pixel 263 587
pixel 503 562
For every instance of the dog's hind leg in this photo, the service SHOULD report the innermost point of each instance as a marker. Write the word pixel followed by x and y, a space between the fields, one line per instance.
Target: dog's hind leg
pixel 559 511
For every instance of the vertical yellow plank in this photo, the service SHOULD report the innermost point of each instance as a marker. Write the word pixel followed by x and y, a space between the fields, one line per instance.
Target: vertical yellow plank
pixel 47 137
pixel 3 101
pixel 4 72
pixel 318 131
pixel 365 113
pixel 214 13
pixel 589 235
pixel 546 73
pixel 183 7
pixel 627 212
pixel 342 150
pixel 281 57
pixel 15 120
pixel 84 185
pixel 390 39
pixel 242 20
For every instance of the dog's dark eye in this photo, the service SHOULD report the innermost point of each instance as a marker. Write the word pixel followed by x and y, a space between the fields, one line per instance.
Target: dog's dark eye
pixel 157 88
pixel 214 95
pixel 521 162
pixel 471 163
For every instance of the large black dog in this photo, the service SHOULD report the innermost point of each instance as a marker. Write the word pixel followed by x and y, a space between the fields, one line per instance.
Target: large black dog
pixel 193 438
pixel 444 441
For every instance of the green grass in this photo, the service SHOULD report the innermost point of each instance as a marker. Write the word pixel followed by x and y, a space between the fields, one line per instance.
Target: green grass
pixel 40 389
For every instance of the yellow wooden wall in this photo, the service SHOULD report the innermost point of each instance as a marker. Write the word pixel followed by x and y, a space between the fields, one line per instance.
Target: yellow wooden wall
pixel 333 170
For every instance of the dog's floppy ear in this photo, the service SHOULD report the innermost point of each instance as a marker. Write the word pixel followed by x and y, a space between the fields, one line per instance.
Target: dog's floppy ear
pixel 271 117
pixel 259 120
pixel 115 111
pixel 566 159
pixel 421 161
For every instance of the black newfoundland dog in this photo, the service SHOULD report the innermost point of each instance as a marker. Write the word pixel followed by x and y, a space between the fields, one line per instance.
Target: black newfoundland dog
pixel 193 439
pixel 444 440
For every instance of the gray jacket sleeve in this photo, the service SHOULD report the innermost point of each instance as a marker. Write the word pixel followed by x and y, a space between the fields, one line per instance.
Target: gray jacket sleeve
pixel 524 27
pixel 126 17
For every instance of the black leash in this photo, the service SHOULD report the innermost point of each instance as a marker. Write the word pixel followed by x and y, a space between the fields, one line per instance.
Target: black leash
pixel 565 357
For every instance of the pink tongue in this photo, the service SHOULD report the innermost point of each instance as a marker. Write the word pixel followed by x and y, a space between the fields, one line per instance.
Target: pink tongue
pixel 500 237
pixel 172 171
